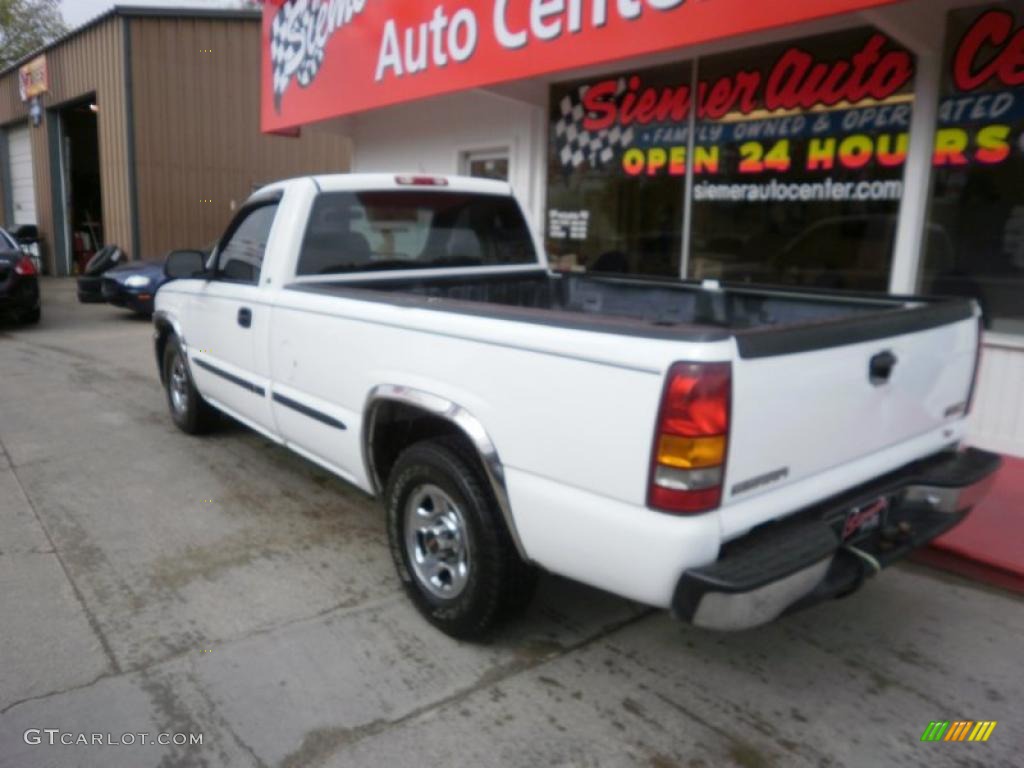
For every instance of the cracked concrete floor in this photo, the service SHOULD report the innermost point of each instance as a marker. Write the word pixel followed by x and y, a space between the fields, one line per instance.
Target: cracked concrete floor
pixel 152 582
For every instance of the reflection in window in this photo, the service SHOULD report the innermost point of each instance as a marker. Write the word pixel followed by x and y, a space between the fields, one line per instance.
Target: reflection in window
pixel 805 172
pixel 394 230
pixel 604 213
pixel 241 258
pixel 491 164
pixel 798 161
pixel 978 192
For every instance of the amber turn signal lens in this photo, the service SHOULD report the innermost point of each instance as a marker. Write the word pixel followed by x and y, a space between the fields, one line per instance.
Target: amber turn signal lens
pixel 691 435
pixel 691 452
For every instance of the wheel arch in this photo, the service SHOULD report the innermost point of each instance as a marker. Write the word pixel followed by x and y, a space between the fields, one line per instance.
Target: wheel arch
pixel 396 417
pixel 165 326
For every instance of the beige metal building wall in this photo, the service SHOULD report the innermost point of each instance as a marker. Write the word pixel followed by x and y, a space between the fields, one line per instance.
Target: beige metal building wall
pixel 85 63
pixel 198 147
pixel 13 112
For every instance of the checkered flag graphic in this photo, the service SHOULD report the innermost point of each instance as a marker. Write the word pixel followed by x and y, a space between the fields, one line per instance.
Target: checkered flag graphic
pixel 575 145
pixel 289 57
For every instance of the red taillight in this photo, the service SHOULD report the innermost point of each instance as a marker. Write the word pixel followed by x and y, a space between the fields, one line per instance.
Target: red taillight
pixel 691 438
pixel 25 267
pixel 977 366
pixel 421 181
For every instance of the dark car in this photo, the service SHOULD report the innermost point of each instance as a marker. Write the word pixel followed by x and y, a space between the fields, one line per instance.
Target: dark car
pixel 134 285
pixel 90 284
pixel 19 282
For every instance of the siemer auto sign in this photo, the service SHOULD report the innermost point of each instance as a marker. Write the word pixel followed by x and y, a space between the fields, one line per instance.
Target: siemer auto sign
pixel 328 58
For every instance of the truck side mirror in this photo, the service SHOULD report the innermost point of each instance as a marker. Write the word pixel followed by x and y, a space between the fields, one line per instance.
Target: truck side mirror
pixel 185 264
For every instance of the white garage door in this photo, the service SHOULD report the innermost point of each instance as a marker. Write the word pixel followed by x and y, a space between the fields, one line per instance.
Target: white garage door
pixel 23 188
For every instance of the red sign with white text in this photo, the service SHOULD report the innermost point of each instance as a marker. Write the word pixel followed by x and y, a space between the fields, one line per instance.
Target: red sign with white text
pixel 328 58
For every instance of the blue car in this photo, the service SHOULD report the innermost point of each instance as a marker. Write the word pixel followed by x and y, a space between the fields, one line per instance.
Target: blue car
pixel 134 285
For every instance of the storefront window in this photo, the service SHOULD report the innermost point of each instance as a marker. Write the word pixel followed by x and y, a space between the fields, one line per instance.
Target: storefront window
pixel 978 177
pixel 603 214
pixel 799 161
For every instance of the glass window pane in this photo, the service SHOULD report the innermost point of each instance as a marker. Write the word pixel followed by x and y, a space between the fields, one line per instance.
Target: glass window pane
pixel 487 165
pixel 799 157
pixel 241 258
pixel 976 247
pixel 616 163
pixel 388 230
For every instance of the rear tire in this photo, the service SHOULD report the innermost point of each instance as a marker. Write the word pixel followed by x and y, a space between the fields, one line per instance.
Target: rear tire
pixel 451 548
pixel 190 412
pixel 33 316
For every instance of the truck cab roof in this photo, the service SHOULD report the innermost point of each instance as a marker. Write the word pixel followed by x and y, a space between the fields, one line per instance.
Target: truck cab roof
pixel 341 182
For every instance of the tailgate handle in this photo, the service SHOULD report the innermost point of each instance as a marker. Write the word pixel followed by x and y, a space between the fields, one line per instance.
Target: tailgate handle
pixel 881 367
pixel 245 317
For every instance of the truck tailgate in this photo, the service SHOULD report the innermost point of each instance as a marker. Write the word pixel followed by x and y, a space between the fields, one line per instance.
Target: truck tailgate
pixel 801 408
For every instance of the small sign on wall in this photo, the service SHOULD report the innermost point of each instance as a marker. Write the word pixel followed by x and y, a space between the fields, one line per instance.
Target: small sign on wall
pixel 568 225
pixel 33 78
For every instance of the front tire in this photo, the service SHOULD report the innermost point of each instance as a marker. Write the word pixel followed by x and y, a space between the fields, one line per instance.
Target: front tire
pixel 190 412
pixel 452 551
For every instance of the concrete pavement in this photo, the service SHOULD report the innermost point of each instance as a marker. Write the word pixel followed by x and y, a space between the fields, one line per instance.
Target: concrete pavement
pixel 155 583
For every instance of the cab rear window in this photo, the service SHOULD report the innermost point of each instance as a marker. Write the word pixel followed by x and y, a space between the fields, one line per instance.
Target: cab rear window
pixel 401 229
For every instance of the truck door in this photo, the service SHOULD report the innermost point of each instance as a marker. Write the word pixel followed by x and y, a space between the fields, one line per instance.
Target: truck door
pixel 228 319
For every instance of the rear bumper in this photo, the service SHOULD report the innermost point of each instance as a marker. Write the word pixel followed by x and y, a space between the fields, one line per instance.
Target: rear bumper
pixel 788 565
pixel 19 294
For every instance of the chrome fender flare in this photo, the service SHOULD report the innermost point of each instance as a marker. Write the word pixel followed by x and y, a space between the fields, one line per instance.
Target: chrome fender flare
pixel 466 422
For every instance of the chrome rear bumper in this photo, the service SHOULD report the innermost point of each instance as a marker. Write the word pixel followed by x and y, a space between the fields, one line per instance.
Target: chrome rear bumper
pixel 788 565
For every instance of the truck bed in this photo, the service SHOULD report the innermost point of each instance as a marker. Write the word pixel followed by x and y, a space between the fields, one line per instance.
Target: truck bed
pixel 765 321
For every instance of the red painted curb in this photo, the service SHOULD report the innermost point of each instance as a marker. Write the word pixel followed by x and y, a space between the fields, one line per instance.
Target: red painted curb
pixel 989 545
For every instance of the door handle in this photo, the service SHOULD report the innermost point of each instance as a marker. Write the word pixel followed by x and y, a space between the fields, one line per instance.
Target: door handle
pixel 880 368
pixel 245 317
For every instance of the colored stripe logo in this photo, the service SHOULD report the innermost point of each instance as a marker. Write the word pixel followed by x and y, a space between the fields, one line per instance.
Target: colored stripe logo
pixel 959 730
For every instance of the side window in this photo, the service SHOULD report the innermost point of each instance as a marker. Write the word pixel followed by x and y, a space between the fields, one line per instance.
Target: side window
pixel 489 164
pixel 241 255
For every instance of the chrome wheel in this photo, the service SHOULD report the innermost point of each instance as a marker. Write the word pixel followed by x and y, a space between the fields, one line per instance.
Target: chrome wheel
pixel 179 385
pixel 437 542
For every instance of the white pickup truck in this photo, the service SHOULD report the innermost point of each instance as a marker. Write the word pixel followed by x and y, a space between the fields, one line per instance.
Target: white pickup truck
pixel 729 452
